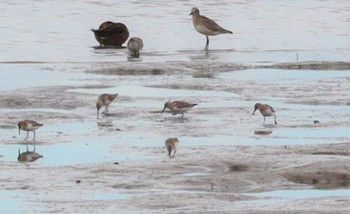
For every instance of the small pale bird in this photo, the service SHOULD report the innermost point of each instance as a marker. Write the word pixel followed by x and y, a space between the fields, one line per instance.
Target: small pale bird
pixel 265 110
pixel 135 44
pixel 111 34
pixel 178 107
pixel 28 156
pixel 206 26
pixel 105 100
pixel 171 144
pixel 29 126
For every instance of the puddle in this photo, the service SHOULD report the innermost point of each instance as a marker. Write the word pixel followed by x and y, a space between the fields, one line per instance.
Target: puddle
pixel 193 174
pixel 282 75
pixel 35 77
pixel 11 202
pixel 317 133
pixel 301 194
pixel 83 152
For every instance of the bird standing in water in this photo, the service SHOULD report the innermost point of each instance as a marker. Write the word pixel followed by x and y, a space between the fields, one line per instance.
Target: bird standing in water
pixel 178 107
pixel 265 110
pixel 206 26
pixel 29 126
pixel 111 34
pixel 171 144
pixel 105 100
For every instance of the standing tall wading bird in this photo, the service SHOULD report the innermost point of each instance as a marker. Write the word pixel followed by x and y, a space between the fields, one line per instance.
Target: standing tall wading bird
pixel 178 107
pixel 104 100
pixel 29 126
pixel 265 110
pixel 206 26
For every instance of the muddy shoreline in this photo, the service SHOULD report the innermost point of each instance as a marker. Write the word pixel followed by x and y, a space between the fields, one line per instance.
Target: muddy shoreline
pixel 226 161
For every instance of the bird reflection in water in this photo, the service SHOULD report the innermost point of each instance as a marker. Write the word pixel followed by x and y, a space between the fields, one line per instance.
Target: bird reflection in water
pixel 28 156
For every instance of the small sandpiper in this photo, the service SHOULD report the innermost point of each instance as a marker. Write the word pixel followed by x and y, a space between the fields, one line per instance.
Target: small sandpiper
pixel 104 100
pixel 178 107
pixel 171 144
pixel 135 44
pixel 206 26
pixel 29 126
pixel 265 110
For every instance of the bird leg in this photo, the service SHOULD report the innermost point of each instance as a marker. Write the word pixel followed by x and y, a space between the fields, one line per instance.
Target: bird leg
pixel 275 119
pixel 207 44
pixel 264 120
pixel 106 110
pixel 26 136
pixel 34 136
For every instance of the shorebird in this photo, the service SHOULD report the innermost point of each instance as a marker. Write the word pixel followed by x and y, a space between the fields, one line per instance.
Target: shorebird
pixel 111 34
pixel 135 44
pixel 104 100
pixel 28 125
pixel 206 26
pixel 265 110
pixel 171 144
pixel 178 107
pixel 28 156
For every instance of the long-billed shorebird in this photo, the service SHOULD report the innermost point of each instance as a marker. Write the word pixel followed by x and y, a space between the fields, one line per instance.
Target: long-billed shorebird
pixel 265 110
pixel 104 100
pixel 171 144
pixel 206 26
pixel 135 44
pixel 111 34
pixel 29 126
pixel 178 107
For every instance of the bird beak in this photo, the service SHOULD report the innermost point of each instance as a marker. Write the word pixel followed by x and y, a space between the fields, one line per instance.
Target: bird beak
pixel 163 109
pixel 190 14
pixel 253 111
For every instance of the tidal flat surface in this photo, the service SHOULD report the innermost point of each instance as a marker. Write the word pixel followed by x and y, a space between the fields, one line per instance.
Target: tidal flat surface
pixel 227 161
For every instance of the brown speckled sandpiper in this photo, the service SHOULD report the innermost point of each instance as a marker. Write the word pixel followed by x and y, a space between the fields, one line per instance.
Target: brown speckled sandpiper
pixel 29 126
pixel 178 107
pixel 104 100
pixel 171 144
pixel 265 110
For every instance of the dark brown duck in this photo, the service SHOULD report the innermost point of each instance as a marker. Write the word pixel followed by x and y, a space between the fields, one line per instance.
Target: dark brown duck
pixel 111 34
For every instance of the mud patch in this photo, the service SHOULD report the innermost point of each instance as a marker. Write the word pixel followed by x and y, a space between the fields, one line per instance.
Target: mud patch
pixel 321 180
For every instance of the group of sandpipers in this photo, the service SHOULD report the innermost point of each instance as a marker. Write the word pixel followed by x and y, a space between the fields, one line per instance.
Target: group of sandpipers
pixel 175 107
pixel 115 34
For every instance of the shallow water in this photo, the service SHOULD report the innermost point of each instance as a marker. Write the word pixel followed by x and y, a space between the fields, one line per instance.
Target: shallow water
pixel 56 31
pixel 50 44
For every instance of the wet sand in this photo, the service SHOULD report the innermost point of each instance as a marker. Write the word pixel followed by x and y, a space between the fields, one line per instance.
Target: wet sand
pixel 201 178
pixel 226 159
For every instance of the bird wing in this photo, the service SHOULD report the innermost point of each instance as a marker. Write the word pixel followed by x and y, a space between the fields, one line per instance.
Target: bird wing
pixel 182 104
pixel 212 25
